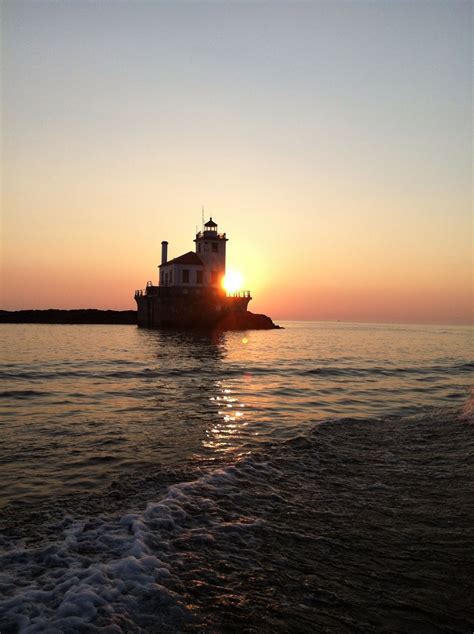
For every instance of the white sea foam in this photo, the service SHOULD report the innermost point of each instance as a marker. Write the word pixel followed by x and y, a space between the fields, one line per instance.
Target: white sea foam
pixel 119 572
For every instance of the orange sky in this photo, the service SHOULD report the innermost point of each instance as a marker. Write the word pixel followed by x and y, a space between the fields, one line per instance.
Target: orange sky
pixel 330 142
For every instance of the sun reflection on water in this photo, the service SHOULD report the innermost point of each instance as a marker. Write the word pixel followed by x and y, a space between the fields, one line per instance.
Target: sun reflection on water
pixel 226 435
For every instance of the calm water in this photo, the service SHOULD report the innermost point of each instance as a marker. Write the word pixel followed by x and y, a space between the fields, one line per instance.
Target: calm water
pixel 167 480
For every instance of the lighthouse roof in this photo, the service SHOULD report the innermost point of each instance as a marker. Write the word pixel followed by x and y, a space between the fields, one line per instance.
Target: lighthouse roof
pixel 210 223
pixel 187 258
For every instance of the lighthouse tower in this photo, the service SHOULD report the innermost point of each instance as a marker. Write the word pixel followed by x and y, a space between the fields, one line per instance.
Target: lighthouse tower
pixel 210 248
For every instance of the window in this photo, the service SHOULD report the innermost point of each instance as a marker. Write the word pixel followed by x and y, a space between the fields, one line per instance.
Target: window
pixel 198 277
pixel 199 247
pixel 171 276
pixel 185 276
pixel 215 247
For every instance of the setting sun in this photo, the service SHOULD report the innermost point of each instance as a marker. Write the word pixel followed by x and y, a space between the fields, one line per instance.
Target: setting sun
pixel 232 281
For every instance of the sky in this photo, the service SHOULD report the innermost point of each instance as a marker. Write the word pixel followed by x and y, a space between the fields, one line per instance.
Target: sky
pixel 331 141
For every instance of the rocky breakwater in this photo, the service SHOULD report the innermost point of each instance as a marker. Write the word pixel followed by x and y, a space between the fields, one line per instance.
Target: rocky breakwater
pixel 239 320
pixel 78 316
pixel 245 320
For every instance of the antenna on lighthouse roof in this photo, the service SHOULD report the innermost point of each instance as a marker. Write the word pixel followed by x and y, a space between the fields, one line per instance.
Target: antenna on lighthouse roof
pixel 203 218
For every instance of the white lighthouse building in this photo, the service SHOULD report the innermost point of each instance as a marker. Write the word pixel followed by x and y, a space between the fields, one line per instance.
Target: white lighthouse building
pixel 190 291
pixel 204 267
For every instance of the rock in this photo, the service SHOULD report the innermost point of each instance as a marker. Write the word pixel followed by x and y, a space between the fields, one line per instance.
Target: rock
pixel 245 320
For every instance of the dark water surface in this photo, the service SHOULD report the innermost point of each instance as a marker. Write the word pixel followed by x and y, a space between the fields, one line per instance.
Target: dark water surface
pixel 317 478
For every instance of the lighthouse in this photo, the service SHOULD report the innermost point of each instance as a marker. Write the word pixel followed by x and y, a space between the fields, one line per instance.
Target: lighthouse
pixel 190 291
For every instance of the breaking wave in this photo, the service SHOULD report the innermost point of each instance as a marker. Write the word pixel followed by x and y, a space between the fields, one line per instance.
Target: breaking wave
pixel 353 525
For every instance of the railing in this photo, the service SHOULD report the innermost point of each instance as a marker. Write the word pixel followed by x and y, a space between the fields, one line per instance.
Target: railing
pixel 239 294
pixel 172 291
pixel 210 234
pixel 145 291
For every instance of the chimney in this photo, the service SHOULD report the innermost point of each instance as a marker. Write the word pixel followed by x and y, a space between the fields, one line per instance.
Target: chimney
pixel 164 252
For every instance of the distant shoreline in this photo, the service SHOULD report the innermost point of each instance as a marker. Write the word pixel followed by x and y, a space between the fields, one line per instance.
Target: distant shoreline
pixel 76 316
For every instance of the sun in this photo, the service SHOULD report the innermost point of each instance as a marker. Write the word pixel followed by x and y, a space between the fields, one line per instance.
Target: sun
pixel 232 281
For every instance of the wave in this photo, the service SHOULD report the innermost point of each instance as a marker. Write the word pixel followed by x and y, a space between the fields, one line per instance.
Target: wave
pixel 22 394
pixel 387 371
pixel 427 372
pixel 355 525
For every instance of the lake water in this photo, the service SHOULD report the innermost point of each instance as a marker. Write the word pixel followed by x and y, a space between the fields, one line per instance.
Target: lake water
pixel 312 478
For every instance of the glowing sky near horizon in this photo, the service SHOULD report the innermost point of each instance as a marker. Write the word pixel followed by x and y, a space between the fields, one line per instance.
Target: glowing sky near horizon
pixel 330 140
